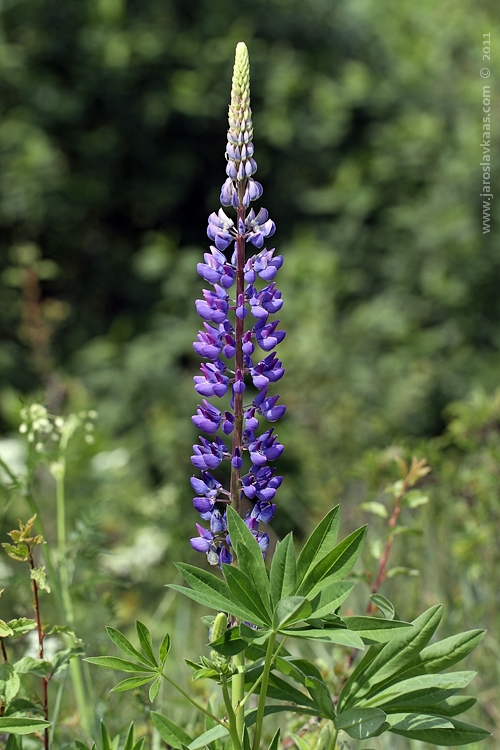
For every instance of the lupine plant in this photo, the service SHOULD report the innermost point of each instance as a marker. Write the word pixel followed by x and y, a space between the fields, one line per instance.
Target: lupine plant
pixel 389 675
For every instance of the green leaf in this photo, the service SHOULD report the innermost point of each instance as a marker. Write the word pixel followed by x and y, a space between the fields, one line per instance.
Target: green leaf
pixel 29 665
pixel 283 570
pixel 130 683
pixel 209 590
pixel 230 643
pixel 14 742
pixel 244 592
pixel 412 721
pixel 63 657
pixel 105 737
pixel 114 662
pixel 340 636
pixel 454 705
pixel 249 555
pixel 14 725
pixel 124 645
pixel 169 731
pixel 130 739
pixel 381 668
pixel 253 636
pixel 320 543
pixel 154 689
pixel 214 602
pixel 18 552
pixel 445 653
pixel 461 733
pixel 10 683
pixel 375 629
pixel 384 605
pixel 165 648
pixel 290 610
pixel 360 723
pixel 275 742
pixel 422 685
pixel 251 715
pixel 377 509
pixel 5 630
pixel 21 626
pixel 321 695
pixel 40 577
pixel 335 565
pixel 331 597
pixel 57 629
pixel 400 570
pixel 283 691
pixel 207 737
pixel 146 642
pixel 300 742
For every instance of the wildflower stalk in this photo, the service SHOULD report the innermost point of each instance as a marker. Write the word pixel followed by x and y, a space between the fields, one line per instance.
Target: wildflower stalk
pixel 59 472
pixel 233 727
pixel 263 692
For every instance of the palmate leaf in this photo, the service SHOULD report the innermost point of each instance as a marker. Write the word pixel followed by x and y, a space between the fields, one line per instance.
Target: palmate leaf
pixel 360 723
pixel 461 733
pixel 319 544
pixel 375 629
pixel 124 645
pixel 376 671
pixel 283 570
pixel 335 565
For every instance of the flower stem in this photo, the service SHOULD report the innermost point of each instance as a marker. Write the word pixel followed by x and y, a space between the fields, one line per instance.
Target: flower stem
pixel 233 730
pixel 333 741
pixel 238 691
pixel 4 652
pixel 239 332
pixel 75 664
pixel 263 692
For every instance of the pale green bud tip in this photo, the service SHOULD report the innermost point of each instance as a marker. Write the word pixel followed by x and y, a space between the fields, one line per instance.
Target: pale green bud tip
pixel 220 623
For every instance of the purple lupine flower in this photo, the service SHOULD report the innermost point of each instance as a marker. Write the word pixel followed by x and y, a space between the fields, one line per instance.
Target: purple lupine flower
pixel 216 270
pixel 212 381
pixel 226 332
pixel 269 370
pixel 209 455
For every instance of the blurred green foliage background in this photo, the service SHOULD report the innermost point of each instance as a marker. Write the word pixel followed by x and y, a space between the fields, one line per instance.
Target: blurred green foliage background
pixel 368 118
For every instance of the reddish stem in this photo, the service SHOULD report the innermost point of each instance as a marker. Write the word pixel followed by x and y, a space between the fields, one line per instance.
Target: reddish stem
pixel 381 575
pixel 45 680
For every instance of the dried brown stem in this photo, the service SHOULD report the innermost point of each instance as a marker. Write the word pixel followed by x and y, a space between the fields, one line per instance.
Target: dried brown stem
pixel 45 680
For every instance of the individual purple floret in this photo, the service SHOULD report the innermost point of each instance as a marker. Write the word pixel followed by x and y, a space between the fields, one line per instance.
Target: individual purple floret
pixel 237 314
pixel 216 270
pixel 209 455
pixel 212 381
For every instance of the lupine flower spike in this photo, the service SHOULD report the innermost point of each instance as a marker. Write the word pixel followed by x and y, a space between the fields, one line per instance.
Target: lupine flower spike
pixel 236 314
